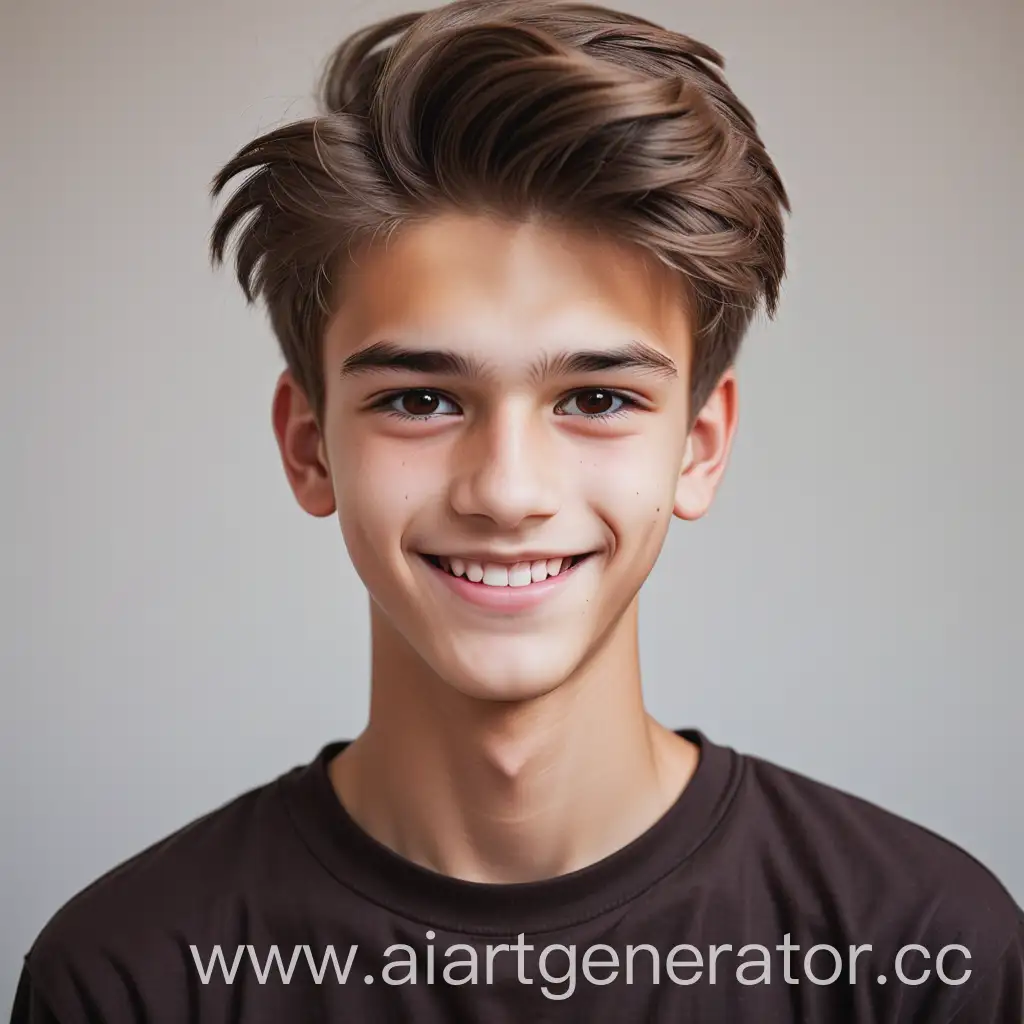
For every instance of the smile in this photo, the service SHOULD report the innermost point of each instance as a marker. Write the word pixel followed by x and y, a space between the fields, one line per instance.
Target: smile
pixel 505 588
pixel 505 574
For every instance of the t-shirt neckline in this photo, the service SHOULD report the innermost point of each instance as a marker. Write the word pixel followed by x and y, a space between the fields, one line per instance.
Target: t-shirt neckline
pixel 377 873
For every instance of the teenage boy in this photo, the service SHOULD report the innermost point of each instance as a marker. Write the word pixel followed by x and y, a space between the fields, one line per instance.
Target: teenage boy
pixel 510 268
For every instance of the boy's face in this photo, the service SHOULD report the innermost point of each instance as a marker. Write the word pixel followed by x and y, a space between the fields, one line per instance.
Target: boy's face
pixel 469 425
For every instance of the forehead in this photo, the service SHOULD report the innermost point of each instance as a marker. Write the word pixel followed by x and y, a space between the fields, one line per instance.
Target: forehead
pixel 509 288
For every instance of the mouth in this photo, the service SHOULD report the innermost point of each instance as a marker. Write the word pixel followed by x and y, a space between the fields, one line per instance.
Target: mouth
pixel 515 575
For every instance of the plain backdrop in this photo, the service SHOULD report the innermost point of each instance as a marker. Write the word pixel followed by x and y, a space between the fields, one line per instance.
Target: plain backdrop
pixel 174 630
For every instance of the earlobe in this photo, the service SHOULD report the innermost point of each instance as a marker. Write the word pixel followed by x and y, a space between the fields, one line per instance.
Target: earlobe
pixel 683 507
pixel 707 451
pixel 693 496
pixel 300 443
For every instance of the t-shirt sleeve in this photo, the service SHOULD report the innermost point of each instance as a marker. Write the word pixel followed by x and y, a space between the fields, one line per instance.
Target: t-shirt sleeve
pixel 29 1007
pixel 999 996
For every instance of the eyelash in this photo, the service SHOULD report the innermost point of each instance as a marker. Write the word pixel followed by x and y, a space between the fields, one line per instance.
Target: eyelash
pixel 628 404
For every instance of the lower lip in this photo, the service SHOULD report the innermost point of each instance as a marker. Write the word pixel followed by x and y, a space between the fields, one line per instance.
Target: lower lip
pixel 507 599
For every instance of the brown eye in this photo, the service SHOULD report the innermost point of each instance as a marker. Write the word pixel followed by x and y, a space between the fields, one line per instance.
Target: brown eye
pixel 419 403
pixel 593 403
pixel 596 403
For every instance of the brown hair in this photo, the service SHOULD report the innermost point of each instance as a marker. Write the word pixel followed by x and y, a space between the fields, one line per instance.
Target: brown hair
pixel 521 108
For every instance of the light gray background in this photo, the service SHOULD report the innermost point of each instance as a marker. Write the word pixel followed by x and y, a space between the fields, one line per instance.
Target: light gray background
pixel 175 630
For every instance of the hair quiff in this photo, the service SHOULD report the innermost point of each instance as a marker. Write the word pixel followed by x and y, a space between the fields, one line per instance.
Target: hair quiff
pixel 521 108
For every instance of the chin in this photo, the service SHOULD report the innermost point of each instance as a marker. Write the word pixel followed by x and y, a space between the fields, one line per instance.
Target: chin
pixel 505 680
pixel 504 691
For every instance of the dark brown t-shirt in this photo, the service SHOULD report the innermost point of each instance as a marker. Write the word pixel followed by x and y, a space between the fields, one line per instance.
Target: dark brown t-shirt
pixel 751 855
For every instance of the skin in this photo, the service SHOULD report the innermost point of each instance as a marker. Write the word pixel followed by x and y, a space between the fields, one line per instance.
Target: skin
pixel 507 747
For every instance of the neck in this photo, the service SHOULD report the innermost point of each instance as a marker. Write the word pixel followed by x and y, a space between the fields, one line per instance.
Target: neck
pixel 508 792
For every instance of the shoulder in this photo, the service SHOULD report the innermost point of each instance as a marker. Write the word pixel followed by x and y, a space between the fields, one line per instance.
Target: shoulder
pixel 141 916
pixel 843 856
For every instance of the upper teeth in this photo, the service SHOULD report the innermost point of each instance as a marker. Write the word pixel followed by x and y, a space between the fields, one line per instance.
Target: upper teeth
pixel 498 574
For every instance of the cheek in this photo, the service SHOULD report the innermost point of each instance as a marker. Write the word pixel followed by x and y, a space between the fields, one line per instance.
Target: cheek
pixel 634 485
pixel 379 487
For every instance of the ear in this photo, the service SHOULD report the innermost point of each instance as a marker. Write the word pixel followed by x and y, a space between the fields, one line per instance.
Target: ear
pixel 302 450
pixel 707 450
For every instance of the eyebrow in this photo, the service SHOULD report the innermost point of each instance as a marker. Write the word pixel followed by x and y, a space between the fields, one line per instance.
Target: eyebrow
pixel 387 356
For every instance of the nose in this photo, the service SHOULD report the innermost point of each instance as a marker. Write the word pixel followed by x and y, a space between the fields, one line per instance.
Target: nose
pixel 505 469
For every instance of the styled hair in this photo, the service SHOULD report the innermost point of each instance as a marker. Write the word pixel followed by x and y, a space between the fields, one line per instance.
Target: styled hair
pixel 569 112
